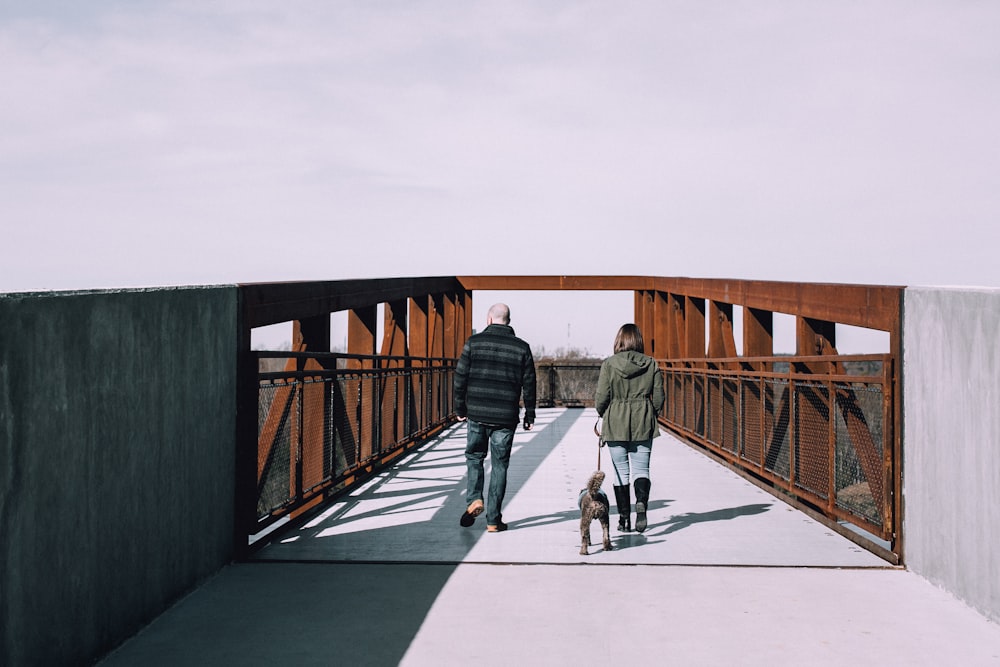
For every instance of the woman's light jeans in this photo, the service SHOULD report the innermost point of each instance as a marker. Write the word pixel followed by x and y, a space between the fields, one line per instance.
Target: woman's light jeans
pixel 630 457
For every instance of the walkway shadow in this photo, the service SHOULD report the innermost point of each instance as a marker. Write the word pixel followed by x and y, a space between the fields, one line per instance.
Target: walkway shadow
pixel 690 518
pixel 410 513
pixel 302 614
pixel 573 514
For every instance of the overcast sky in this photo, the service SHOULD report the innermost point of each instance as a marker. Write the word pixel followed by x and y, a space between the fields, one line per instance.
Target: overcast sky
pixel 175 143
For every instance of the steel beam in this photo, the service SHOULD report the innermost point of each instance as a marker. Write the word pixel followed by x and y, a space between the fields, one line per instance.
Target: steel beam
pixel 271 303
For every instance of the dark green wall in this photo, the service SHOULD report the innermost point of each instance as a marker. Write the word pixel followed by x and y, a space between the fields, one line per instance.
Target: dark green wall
pixel 117 450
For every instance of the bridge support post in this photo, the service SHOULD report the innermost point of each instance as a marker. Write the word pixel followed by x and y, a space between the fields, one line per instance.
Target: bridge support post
pixel 361 325
pixel 393 392
pixel 436 350
pixel 308 466
pixel 419 345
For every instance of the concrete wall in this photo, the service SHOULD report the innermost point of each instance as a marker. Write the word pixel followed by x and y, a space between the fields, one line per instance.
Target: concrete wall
pixel 117 448
pixel 951 441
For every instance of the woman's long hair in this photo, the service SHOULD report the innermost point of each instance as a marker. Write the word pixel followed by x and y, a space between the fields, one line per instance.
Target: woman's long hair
pixel 629 338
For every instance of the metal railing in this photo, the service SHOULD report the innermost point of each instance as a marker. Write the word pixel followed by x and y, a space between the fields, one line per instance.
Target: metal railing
pixel 566 383
pixel 815 429
pixel 818 430
pixel 335 418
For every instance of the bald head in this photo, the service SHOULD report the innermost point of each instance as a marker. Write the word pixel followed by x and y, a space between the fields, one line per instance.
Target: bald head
pixel 499 314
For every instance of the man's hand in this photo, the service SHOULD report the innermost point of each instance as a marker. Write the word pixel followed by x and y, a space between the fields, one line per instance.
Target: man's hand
pixel 528 425
pixel 462 419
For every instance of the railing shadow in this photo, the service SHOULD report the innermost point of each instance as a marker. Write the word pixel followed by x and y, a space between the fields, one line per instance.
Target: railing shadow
pixel 410 513
pixel 688 519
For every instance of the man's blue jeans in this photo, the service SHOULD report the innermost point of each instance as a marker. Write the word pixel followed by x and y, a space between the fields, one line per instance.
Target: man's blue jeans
pixel 498 440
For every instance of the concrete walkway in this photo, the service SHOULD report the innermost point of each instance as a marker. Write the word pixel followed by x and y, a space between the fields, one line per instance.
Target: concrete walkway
pixel 724 575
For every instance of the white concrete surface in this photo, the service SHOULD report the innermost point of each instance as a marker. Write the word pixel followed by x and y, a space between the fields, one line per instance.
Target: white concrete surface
pixel 700 513
pixel 698 616
pixel 725 575
pixel 951 441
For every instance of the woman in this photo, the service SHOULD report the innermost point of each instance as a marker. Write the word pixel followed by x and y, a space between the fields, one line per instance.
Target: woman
pixel 629 396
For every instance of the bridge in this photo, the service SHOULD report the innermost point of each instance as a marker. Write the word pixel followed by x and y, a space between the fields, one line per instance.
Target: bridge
pixel 803 492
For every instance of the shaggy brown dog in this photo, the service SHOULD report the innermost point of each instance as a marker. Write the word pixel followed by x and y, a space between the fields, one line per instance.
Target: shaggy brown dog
pixel 594 505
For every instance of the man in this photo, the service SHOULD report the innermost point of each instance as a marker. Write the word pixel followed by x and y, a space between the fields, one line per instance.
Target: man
pixel 495 369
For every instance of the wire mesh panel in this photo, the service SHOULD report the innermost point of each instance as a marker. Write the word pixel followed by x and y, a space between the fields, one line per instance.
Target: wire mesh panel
pixel 751 415
pixel 447 399
pixel 695 407
pixel 684 400
pixel 420 405
pixel 812 438
pixel 860 452
pixel 392 411
pixel 722 419
pixel 278 410
pixel 713 408
pixel 345 399
pixel 819 436
pixel 318 429
pixel 730 414
pixel 673 390
pixel 777 436
pixel 314 451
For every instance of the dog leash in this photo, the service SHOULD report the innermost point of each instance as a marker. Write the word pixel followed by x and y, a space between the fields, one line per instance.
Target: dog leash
pixel 600 444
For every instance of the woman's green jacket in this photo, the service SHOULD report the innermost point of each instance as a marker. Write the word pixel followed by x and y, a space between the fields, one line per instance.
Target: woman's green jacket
pixel 629 397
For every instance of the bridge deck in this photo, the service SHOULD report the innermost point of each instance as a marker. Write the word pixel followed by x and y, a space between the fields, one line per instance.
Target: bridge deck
pixel 725 574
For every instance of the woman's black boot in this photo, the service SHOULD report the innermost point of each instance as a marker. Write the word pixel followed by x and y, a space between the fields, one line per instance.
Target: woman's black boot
pixel 642 486
pixel 623 499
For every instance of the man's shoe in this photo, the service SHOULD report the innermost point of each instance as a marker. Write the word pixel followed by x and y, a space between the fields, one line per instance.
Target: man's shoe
pixel 471 512
pixel 498 528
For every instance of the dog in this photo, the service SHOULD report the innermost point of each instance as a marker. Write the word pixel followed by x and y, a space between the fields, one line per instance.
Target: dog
pixel 594 505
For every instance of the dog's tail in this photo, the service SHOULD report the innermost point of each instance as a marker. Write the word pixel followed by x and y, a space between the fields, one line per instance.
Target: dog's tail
pixel 594 484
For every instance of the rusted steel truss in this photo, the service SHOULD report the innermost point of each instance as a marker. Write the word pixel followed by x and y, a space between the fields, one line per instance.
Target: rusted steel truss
pixel 327 421
pixel 747 409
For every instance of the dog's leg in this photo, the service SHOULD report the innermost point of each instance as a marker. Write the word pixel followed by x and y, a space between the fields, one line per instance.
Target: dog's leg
pixel 606 527
pixel 584 535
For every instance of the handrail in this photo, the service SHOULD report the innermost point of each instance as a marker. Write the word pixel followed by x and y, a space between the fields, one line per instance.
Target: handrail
pixel 322 429
pixel 823 439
